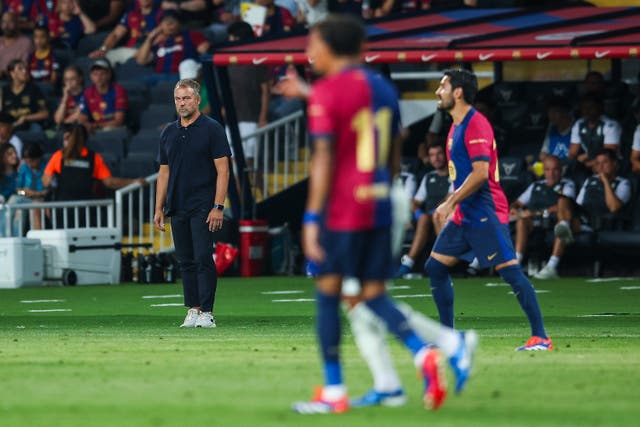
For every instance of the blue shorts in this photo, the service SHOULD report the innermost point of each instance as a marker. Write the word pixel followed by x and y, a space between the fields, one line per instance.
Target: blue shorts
pixel 364 255
pixel 490 243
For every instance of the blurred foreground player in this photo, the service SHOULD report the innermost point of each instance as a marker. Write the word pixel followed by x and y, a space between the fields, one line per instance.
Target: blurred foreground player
pixel 354 123
pixel 478 208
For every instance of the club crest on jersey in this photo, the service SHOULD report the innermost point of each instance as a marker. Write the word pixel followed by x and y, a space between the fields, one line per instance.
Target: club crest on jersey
pixel 452 170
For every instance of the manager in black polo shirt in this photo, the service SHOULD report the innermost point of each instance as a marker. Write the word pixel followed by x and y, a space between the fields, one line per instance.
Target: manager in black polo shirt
pixel 191 188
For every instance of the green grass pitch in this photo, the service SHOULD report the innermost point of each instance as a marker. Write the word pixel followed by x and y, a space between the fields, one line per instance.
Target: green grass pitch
pixel 115 360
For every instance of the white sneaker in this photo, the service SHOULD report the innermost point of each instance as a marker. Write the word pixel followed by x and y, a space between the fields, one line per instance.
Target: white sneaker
pixel 547 272
pixel 205 320
pixel 190 320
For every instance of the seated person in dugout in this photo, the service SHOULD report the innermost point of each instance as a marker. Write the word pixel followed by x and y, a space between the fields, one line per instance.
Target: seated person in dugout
pixel 433 189
pixel 604 194
pixel 551 197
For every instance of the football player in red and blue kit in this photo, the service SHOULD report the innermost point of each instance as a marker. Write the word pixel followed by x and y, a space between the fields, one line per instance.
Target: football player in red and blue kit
pixel 354 122
pixel 478 208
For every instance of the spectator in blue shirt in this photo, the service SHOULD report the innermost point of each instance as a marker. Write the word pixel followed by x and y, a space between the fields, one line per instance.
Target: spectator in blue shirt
pixel 29 183
pixel 558 137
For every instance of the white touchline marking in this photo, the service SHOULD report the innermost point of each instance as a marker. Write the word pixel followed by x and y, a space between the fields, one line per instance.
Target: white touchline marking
pixel 48 311
pixel 161 296
pixel 294 300
pixel 35 301
pixel 537 291
pixel 495 284
pixel 281 292
pixel 413 296
pixel 596 315
pixel 611 279
pixel 629 288
pixel 394 288
pixel 171 304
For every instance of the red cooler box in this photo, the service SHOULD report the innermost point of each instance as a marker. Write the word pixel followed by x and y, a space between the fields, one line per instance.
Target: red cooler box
pixel 254 237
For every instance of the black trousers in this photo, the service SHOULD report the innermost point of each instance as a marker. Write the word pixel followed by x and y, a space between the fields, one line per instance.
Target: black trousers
pixel 194 251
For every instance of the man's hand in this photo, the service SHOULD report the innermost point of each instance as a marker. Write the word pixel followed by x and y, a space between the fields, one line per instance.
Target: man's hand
pixel 444 211
pixel 310 245
pixel 604 178
pixel 214 219
pixel 158 220
pixel 292 86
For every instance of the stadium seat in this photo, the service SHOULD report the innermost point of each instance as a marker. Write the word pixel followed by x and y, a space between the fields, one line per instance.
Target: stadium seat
pixel 109 141
pixel 514 177
pixel 512 117
pixel 112 161
pixel 156 116
pixel 64 56
pixel 46 88
pixel 28 136
pixel 145 142
pixel 53 142
pixel 91 42
pixel 130 70
pixel 85 65
pixel 508 94
pixel 134 87
pixel 138 165
pixel 162 92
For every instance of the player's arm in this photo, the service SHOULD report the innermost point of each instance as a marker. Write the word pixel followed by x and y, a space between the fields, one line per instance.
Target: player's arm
pixel 161 195
pixel 635 161
pixel 614 204
pixel 112 40
pixel 479 174
pixel 319 179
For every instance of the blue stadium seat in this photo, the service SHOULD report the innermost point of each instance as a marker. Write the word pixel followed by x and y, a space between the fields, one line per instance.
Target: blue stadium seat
pixel 109 141
pixel 514 177
pixel 91 42
pixel 138 165
pixel 145 142
pixel 157 115
pixel 130 70
pixel 162 92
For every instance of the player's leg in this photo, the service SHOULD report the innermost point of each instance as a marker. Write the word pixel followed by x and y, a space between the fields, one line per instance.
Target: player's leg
pixel 458 347
pixel 493 247
pixel 426 359
pixel 421 236
pixel 206 269
pixel 370 335
pixel 563 237
pixel 183 243
pixel 524 227
pixel 449 245
pixel 332 397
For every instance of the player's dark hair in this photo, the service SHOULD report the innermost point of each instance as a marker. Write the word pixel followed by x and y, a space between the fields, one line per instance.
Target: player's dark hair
pixel 611 154
pixel 241 30
pixel 344 34
pixel 465 80
pixel 32 151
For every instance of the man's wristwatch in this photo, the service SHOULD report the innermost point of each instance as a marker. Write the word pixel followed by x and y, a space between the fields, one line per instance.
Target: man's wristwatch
pixel 219 207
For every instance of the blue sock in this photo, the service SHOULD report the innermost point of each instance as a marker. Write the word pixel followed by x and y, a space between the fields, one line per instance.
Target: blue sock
pixel 441 289
pixel 396 322
pixel 328 324
pixel 526 295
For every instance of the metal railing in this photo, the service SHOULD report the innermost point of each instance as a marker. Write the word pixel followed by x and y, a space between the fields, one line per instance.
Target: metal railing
pixel 57 215
pixel 281 155
pixel 135 208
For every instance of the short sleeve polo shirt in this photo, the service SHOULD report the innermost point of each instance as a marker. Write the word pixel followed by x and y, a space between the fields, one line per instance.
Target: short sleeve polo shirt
pixel 190 153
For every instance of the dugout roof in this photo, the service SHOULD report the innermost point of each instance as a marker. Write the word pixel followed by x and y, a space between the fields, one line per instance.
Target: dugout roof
pixel 473 35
